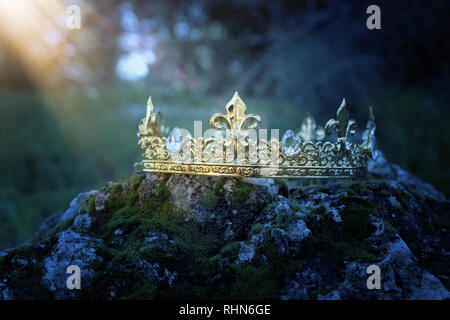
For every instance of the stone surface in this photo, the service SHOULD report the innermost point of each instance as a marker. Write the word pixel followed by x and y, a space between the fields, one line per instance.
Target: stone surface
pixel 77 205
pixel 71 249
pixel 320 274
pixel 246 253
pixel 157 239
pixel 148 188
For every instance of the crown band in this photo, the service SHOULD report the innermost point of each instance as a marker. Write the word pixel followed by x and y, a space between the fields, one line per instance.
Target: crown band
pixel 232 170
pixel 234 149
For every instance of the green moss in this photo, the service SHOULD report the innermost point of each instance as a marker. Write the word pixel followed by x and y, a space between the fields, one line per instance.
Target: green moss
pixel 213 265
pixel 26 278
pixel 211 201
pixel 257 227
pixel 294 204
pixel 390 228
pixel 254 282
pixel 191 239
pixel 205 270
pixel 435 216
pixel 297 193
pixel 282 220
pixel 320 211
pixel 91 205
pixel 241 191
pixel 402 197
pixel 231 250
pixel 116 200
pixel 283 188
pixel 133 197
pixel 345 241
pixel 401 207
pixel 189 253
pixel 162 193
pixel 340 250
pixel 125 257
pixel 218 188
pixel 265 277
pixel 355 217
pixel 29 278
pixel 136 181
pixel 385 193
pixel 63 225
pixel 352 250
pixel 142 291
pixel 319 188
pixel 404 200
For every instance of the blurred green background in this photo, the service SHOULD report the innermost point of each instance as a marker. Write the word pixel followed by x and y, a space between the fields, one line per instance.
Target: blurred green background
pixel 70 100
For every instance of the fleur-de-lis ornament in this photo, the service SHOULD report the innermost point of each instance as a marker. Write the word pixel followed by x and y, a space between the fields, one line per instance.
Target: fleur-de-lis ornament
pixel 236 118
pixel 341 124
pixel 309 131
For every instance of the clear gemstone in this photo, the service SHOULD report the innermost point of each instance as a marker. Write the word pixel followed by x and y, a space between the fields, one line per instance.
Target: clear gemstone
pixel 174 140
pixel 290 144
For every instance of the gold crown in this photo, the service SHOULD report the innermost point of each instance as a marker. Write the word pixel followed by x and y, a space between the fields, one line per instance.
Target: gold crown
pixel 236 146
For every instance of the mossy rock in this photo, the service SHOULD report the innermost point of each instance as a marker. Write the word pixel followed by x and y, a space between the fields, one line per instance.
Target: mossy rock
pixel 151 247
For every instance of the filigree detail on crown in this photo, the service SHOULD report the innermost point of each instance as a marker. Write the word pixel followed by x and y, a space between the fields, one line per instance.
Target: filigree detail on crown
pixel 238 149
pixel 236 118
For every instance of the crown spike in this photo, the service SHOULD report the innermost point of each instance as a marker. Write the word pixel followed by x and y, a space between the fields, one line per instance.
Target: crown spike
pixel 236 110
pixel 236 116
pixel 371 114
pixel 368 135
pixel 371 125
pixel 342 107
pixel 149 113
pixel 309 130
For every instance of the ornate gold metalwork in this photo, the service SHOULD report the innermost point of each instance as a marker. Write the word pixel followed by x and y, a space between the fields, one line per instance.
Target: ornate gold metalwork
pixel 309 131
pixel 238 154
pixel 236 117
pixel 368 135
pixel 152 124
pixel 342 125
